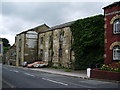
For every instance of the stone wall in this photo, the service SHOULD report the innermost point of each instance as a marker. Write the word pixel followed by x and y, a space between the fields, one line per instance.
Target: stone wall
pixel 55 47
pixel 20 39
pixel 27 45
pixel 10 56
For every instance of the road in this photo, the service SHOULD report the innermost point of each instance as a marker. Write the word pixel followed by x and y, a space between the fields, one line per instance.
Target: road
pixel 14 77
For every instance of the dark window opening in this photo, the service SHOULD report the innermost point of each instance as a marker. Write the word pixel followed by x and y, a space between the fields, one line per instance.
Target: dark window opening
pixel 50 38
pixel 60 52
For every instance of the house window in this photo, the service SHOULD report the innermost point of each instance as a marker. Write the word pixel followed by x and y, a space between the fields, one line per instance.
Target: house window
pixel 116 53
pixel 116 26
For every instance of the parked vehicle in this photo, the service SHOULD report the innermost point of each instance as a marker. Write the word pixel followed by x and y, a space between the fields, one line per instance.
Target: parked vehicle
pixel 37 64
pixel 25 64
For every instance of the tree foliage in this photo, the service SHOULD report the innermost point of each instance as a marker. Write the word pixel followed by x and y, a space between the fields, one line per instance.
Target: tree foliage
pixel 6 44
pixel 88 42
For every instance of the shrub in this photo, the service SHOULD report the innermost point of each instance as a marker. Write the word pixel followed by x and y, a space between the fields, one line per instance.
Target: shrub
pixel 111 68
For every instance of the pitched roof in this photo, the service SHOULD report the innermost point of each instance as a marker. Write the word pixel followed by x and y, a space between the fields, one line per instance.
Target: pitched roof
pixel 33 29
pixel 59 26
pixel 113 4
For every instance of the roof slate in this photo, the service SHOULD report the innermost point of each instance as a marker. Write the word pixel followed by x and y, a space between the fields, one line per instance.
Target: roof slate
pixel 68 24
pixel 113 4
pixel 33 29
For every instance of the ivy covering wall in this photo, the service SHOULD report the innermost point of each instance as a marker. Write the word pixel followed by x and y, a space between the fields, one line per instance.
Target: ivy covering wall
pixel 88 44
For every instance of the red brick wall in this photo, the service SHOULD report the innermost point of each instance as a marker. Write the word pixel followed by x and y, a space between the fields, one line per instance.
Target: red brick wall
pixel 99 74
pixel 109 33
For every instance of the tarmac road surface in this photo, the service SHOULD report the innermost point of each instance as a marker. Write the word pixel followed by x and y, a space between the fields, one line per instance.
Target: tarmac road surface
pixel 14 77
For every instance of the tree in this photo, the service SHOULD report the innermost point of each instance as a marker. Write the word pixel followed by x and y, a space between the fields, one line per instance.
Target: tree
pixel 6 45
pixel 5 42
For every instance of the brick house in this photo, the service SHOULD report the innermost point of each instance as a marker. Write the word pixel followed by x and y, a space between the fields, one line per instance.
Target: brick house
pixel 26 45
pixel 112 33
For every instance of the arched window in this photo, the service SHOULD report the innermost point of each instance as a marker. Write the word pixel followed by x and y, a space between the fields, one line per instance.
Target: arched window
pixel 116 53
pixel 116 26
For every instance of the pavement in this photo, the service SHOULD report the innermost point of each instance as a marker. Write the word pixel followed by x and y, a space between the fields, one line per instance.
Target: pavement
pixel 79 74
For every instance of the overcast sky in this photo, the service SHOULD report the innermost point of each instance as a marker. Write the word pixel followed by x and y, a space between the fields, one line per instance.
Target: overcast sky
pixel 20 16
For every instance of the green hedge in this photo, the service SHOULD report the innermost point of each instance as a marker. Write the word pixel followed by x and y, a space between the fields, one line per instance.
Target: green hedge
pixel 88 44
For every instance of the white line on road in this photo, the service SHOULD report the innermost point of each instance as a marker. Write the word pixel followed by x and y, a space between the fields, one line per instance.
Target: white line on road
pixel 55 81
pixel 5 68
pixel 29 74
pixel 15 71
pixel 9 84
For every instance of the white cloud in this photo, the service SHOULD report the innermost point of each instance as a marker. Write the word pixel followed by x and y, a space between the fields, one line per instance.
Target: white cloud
pixel 10 26
pixel 58 0
pixel 10 37
pixel 20 16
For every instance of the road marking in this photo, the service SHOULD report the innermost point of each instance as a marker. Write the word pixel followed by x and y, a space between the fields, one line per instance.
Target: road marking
pixel 9 84
pixel 10 70
pixel 55 81
pixel 5 68
pixel 15 71
pixel 29 74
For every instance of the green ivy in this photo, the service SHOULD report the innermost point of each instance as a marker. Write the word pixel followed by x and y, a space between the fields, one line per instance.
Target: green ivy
pixel 88 44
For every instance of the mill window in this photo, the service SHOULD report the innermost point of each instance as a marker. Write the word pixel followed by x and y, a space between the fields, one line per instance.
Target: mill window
pixel 61 36
pixel 50 38
pixel 60 52
pixel 41 40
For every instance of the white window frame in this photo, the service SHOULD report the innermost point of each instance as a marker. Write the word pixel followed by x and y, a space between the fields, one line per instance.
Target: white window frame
pixel 116 53
pixel 116 26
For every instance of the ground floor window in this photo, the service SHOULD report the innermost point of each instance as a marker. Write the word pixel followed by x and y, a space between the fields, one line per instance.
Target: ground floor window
pixel 60 52
pixel 116 53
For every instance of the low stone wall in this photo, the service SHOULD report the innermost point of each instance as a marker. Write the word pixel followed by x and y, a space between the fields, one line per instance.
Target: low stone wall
pixel 100 74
